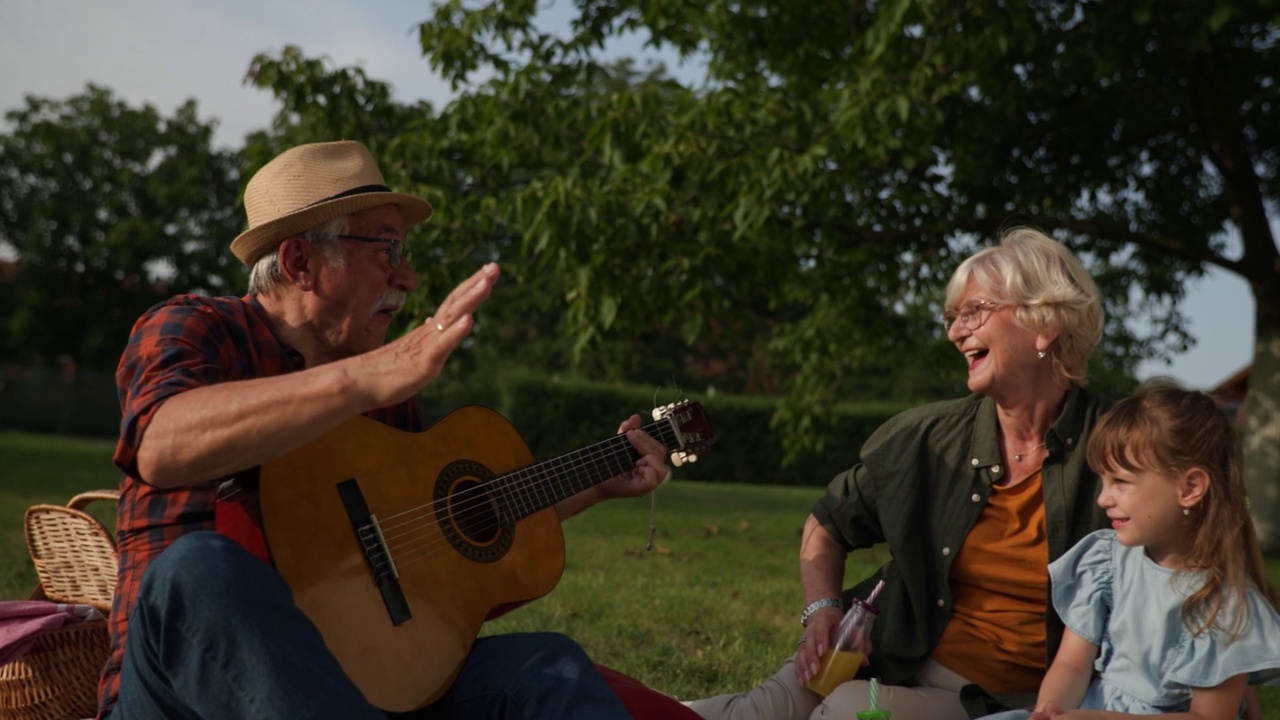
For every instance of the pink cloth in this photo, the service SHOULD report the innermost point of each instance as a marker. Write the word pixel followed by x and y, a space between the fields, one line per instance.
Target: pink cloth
pixel 22 621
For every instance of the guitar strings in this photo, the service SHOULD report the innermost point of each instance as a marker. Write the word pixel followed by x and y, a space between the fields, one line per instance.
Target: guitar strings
pixel 481 496
pixel 464 503
pixel 423 543
pixel 404 539
pixel 415 550
pixel 480 491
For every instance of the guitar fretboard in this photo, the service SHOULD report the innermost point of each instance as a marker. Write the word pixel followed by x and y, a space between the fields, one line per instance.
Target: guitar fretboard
pixel 537 487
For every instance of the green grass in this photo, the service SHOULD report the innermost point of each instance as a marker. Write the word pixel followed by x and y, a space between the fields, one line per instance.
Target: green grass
pixel 712 608
pixel 44 469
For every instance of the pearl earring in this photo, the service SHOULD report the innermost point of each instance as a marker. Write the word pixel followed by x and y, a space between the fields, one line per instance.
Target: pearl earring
pixel 1040 354
pixel 1186 511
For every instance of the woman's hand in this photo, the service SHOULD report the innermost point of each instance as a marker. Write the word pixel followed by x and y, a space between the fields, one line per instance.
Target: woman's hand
pixel 821 573
pixel 818 634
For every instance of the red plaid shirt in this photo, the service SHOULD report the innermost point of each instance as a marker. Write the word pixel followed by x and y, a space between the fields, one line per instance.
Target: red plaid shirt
pixel 187 342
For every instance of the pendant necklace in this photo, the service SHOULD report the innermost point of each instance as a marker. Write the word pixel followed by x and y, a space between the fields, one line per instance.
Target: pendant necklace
pixel 1018 456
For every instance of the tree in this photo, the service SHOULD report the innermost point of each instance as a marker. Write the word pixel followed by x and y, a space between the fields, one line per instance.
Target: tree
pixel 483 162
pixel 841 158
pixel 110 208
pixel 474 173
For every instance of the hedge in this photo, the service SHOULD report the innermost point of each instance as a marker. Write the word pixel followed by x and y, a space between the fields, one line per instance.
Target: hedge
pixel 556 416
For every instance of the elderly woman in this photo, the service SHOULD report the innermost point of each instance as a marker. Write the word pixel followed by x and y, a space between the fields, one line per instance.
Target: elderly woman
pixel 973 496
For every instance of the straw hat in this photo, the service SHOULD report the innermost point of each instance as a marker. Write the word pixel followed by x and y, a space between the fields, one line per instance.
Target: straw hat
pixel 310 185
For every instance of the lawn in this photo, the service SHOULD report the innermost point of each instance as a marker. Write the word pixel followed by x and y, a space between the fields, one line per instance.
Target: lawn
pixel 712 608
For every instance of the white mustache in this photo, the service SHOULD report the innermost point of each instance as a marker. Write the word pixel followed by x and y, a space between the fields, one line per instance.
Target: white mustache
pixel 392 300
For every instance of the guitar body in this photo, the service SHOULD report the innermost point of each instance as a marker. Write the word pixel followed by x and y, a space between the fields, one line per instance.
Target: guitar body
pixel 399 545
pixel 454 565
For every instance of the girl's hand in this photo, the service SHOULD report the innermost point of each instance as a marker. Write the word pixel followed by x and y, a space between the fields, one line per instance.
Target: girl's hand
pixel 1048 711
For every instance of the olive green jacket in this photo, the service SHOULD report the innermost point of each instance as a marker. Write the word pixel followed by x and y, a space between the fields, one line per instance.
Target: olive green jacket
pixel 920 484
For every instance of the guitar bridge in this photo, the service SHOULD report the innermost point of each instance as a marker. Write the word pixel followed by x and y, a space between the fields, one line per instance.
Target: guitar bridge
pixel 374 547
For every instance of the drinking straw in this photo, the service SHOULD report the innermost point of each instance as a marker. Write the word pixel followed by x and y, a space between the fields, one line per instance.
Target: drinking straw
pixel 873 693
pixel 874 592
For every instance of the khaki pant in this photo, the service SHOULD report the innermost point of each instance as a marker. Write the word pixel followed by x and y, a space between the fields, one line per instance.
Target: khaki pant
pixel 934 695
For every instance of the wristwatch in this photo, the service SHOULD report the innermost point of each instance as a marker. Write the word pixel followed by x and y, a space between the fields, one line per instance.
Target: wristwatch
pixel 817 605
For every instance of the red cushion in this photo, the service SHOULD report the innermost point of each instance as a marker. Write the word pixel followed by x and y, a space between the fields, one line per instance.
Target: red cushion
pixel 643 702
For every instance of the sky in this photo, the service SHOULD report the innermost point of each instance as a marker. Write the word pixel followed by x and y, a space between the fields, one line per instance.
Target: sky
pixel 163 52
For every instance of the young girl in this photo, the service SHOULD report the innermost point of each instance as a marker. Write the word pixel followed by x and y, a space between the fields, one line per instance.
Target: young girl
pixel 1171 605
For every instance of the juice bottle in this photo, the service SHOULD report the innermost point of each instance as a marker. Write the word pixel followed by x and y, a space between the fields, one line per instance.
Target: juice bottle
pixel 838 666
pixel 842 660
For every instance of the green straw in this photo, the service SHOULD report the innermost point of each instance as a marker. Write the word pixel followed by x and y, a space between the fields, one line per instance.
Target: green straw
pixel 873 693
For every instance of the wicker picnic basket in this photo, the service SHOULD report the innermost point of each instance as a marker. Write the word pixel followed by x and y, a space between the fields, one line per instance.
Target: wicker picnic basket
pixel 75 560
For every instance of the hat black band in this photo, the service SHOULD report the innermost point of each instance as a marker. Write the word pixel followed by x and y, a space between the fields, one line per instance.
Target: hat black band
pixel 363 189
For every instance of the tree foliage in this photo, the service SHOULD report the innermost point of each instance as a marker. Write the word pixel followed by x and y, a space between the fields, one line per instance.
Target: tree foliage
pixel 813 182
pixel 840 159
pixel 109 208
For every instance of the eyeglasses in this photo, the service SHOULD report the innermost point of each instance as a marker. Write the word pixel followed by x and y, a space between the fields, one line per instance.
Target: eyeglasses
pixel 972 315
pixel 397 252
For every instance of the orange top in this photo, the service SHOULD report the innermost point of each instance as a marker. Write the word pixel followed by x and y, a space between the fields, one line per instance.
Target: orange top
pixel 999 582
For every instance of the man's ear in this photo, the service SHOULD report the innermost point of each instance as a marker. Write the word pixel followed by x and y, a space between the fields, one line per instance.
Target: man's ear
pixel 1191 490
pixel 295 262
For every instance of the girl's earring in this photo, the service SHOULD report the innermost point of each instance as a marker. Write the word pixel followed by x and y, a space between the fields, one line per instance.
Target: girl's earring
pixel 1040 354
pixel 1186 511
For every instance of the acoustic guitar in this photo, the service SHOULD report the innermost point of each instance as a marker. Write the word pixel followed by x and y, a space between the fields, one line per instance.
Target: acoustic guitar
pixel 399 545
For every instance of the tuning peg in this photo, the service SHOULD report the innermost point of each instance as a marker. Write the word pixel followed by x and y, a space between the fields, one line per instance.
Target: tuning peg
pixel 677 459
pixel 665 410
pixel 691 458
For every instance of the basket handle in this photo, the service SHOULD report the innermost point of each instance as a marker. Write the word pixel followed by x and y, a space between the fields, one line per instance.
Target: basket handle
pixel 80 501
pixel 74 554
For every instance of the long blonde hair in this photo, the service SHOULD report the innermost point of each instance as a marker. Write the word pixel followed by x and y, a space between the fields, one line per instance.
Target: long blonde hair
pixel 1165 429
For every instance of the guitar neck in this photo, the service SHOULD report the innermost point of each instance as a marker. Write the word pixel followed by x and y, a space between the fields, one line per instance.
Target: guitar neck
pixel 537 487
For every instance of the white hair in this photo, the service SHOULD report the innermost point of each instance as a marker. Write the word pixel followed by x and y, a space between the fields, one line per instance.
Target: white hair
pixel 266 275
pixel 1049 286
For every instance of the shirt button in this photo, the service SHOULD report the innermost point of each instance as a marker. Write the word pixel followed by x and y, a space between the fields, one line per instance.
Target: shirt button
pixel 1071 441
pixel 976 497
pixel 942 603
pixel 995 469
pixel 946 551
pixel 974 462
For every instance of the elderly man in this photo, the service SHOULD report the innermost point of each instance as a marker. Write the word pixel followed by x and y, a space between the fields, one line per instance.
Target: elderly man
pixel 214 388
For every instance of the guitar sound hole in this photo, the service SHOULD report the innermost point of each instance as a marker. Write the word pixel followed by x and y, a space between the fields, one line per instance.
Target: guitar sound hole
pixel 468 513
pixel 474 513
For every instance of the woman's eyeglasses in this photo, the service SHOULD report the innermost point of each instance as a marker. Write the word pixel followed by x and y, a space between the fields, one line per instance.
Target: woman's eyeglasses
pixel 397 252
pixel 972 315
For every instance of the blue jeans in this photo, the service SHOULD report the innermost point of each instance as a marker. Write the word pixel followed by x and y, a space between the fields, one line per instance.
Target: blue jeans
pixel 215 634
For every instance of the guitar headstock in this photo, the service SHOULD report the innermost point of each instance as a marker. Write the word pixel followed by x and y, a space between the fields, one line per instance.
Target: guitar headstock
pixel 693 430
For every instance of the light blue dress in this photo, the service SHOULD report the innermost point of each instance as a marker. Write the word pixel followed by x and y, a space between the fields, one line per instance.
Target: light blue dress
pixel 1148 662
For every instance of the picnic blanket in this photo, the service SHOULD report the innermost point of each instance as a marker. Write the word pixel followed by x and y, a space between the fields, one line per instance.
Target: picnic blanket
pixel 22 621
